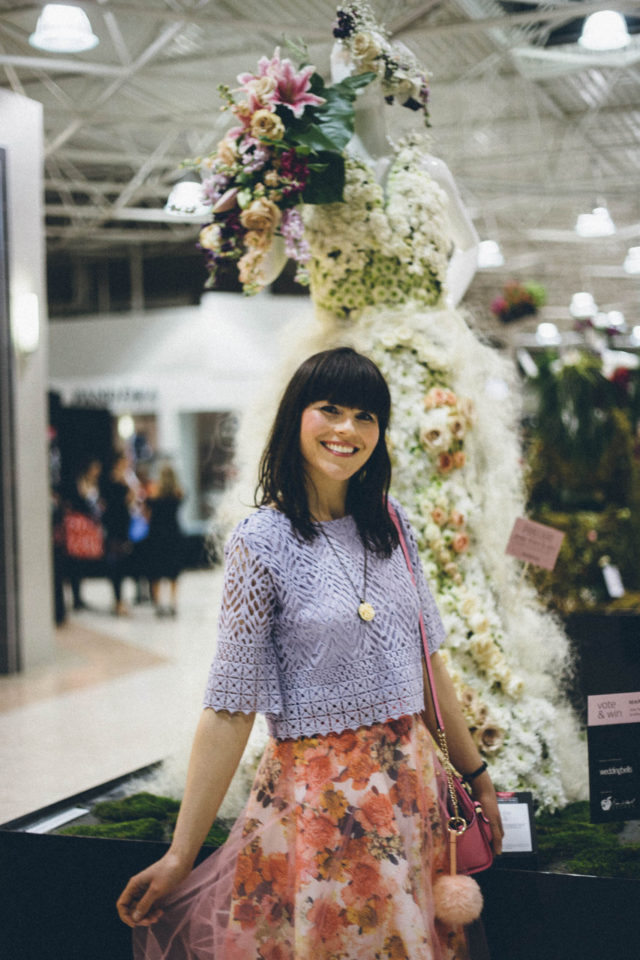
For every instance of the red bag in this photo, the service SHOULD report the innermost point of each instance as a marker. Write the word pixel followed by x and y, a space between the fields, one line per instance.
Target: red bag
pixel 83 537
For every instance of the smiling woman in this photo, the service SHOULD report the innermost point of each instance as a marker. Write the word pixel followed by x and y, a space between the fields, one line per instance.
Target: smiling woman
pixel 342 841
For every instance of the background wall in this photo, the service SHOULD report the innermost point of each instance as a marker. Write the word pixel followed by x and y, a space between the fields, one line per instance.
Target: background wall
pixel 179 362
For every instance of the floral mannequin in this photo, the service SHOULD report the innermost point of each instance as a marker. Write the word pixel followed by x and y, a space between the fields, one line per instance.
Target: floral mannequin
pixel 372 144
pixel 388 261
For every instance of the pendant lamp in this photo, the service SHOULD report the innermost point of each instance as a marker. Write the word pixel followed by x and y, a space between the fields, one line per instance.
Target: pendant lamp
pixel 186 200
pixel 63 29
pixel 583 306
pixel 604 30
pixel 489 255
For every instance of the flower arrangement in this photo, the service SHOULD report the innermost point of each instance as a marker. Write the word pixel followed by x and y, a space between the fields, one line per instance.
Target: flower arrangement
pixel 367 41
pixel 285 150
pixel 518 300
pixel 380 245
pixel 443 427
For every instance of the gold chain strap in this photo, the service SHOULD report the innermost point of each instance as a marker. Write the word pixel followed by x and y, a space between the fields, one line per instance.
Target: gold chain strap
pixel 457 824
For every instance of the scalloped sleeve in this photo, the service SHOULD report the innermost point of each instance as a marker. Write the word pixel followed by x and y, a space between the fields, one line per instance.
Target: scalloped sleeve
pixel 433 624
pixel 244 672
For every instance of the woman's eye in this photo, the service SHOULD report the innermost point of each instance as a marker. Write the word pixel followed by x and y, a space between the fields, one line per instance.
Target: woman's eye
pixel 365 415
pixel 329 408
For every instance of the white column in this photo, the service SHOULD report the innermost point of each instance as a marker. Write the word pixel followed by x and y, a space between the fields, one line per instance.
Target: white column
pixel 21 135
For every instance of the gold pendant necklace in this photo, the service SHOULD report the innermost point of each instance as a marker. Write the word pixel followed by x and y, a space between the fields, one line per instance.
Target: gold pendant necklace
pixel 366 611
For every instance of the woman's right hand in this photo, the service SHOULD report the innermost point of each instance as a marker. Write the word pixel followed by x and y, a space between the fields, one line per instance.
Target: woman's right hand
pixel 141 902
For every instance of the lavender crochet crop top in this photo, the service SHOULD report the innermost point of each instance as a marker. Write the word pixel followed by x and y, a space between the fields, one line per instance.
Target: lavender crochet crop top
pixel 290 642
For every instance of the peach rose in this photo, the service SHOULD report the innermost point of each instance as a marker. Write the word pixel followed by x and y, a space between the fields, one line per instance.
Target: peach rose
pixel 257 241
pixel 435 398
pixel 261 215
pixel 460 542
pixel 445 462
pixel 459 459
pixel 249 267
pixel 227 151
pixel 267 124
pixel 439 516
pixel 456 519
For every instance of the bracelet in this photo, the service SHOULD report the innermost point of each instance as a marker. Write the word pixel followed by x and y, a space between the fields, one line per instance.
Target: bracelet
pixel 476 773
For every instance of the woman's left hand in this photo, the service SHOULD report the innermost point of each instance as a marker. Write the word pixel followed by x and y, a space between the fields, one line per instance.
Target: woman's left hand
pixel 483 790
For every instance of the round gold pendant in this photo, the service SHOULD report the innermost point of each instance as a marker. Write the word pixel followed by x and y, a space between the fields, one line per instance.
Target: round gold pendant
pixel 366 611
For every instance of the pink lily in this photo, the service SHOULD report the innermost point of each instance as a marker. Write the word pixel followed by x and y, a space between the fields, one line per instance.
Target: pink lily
pixel 292 88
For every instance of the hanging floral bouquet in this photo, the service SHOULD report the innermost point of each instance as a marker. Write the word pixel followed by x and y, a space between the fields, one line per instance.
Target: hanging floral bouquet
pixel 401 76
pixel 518 300
pixel 285 150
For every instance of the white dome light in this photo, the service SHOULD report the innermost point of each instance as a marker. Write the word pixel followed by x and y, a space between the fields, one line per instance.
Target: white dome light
pixel 583 306
pixel 598 223
pixel 604 30
pixel 63 29
pixel 635 335
pixel 547 333
pixel 186 200
pixel 489 255
pixel 632 260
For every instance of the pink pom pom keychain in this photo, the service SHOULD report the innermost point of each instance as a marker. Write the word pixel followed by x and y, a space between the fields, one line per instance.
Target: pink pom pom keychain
pixel 457 897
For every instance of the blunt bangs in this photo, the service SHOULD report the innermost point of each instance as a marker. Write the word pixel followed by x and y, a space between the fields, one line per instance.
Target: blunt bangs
pixel 348 379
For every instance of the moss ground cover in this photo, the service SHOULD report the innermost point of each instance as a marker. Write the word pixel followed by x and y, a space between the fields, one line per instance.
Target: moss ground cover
pixel 142 816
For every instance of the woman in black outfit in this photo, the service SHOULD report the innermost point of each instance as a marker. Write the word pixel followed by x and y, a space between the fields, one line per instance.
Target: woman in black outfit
pixel 118 497
pixel 164 545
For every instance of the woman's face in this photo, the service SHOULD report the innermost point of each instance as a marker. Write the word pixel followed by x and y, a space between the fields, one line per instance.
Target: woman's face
pixel 336 441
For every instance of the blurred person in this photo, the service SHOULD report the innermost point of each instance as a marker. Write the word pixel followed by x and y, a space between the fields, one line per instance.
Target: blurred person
pixel 82 536
pixel 119 495
pixel 165 543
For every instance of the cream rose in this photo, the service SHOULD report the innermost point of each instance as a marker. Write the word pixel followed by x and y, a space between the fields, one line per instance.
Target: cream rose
pixel 262 88
pixel 365 50
pixel 210 237
pixel 261 215
pixel 227 151
pixel 267 124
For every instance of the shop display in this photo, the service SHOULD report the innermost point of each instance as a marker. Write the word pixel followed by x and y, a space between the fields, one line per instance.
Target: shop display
pixel 584 476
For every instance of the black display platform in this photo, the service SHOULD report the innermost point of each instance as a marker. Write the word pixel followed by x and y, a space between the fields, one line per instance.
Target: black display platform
pixel 57 901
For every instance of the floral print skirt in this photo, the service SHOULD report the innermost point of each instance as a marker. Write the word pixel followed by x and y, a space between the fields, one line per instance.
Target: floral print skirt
pixel 333 858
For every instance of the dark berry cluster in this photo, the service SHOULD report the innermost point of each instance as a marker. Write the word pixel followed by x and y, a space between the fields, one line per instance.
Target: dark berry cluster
pixel 344 25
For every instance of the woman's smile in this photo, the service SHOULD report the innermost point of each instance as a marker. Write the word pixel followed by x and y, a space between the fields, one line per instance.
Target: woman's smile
pixel 336 441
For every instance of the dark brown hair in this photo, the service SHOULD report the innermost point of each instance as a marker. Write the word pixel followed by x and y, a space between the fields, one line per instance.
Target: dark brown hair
pixel 349 379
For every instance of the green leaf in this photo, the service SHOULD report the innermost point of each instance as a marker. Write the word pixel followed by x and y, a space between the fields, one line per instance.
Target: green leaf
pixel 318 140
pixel 328 186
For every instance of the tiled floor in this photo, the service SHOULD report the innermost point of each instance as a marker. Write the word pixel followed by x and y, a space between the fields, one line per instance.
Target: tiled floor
pixel 122 693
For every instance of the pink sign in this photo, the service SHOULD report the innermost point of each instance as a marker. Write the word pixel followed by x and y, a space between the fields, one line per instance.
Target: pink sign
pixel 613 708
pixel 535 543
